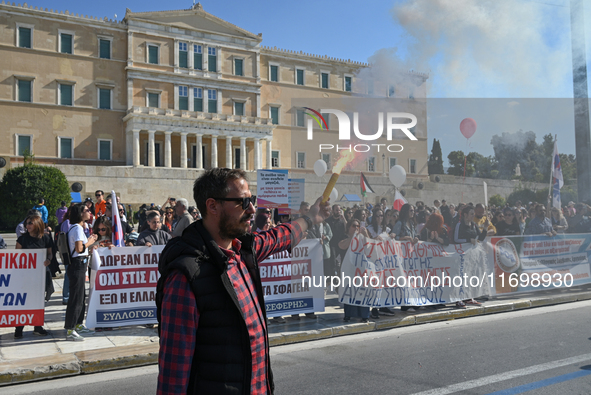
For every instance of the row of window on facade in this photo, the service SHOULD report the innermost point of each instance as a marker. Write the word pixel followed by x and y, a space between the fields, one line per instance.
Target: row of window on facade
pixel 66 45
pixel 65 147
pixel 65 92
pixel 300 78
pixel 65 41
pixel 24 146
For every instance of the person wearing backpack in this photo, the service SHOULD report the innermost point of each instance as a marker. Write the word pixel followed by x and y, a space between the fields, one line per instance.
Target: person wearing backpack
pixel 78 245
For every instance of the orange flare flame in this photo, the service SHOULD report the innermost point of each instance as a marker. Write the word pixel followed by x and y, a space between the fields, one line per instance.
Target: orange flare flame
pixel 346 157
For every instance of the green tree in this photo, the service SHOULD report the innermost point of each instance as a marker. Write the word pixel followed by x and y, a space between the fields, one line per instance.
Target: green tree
pixel 568 194
pixel 525 195
pixel 456 164
pixel 483 165
pixel 22 186
pixel 568 164
pixel 496 200
pixel 436 159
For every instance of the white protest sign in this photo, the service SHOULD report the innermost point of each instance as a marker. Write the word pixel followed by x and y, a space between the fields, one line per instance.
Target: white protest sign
pixel 272 189
pixel 297 193
pixel 281 277
pixel 124 286
pixel 22 287
pixel 377 273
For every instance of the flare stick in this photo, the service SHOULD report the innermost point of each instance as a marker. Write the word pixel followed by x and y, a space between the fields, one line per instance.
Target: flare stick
pixel 330 186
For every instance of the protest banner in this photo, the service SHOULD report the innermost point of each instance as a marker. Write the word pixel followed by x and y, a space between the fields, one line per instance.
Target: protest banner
pixel 376 273
pixel 22 287
pixel 281 277
pixel 272 189
pixel 529 263
pixel 124 286
pixel 297 194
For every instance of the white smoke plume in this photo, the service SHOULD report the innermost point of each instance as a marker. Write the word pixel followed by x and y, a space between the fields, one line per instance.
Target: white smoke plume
pixel 484 48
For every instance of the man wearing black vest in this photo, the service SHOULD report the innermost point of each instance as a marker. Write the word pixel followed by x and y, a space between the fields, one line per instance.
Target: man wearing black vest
pixel 209 296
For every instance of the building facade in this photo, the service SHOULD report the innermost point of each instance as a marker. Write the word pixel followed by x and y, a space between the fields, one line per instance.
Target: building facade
pixel 171 89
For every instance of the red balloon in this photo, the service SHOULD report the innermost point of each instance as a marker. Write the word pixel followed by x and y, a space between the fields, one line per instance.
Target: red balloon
pixel 468 127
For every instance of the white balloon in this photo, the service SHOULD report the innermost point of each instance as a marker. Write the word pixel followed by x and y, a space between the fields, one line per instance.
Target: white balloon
pixel 334 195
pixel 397 175
pixel 320 167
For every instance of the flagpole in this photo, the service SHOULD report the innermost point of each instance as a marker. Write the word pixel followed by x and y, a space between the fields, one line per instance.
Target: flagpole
pixel 549 202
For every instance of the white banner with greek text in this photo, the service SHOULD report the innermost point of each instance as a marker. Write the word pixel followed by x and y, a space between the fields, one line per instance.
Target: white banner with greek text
pixel 22 287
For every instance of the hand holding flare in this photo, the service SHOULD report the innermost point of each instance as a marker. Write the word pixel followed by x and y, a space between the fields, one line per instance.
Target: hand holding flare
pixel 346 157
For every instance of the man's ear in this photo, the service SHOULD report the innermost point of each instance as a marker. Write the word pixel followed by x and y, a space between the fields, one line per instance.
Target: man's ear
pixel 212 206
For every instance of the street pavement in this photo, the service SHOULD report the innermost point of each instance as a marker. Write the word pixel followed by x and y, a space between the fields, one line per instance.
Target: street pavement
pixel 542 351
pixel 36 358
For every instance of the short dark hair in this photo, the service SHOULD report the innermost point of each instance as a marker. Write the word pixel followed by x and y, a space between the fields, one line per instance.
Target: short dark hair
pixel 41 200
pixel 76 215
pixel 151 215
pixel 97 191
pixel 214 183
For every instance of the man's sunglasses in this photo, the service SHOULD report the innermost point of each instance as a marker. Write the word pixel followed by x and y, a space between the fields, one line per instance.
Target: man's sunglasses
pixel 245 201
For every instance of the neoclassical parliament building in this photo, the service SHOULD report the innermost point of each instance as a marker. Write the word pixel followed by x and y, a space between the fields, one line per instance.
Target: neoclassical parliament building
pixel 160 90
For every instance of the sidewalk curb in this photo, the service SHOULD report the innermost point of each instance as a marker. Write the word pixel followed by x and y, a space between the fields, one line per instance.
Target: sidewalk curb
pixel 101 360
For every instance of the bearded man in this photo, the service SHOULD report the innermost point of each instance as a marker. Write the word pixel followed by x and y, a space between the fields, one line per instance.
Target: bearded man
pixel 210 306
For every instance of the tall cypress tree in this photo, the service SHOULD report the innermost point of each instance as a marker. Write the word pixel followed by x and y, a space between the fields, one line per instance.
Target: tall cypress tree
pixel 436 159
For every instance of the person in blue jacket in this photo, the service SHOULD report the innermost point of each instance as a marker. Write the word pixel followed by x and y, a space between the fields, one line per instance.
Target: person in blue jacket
pixel 40 206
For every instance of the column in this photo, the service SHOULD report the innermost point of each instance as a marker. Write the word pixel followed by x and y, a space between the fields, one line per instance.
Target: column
pixel 151 149
pixel 214 151
pixel 205 99
pixel 269 160
pixel 190 56
pixel 258 67
pixel 176 54
pixel 184 150
pixel 218 59
pixel 136 147
pixel 167 149
pixel 130 93
pixel 205 59
pixel 257 154
pixel 129 49
pixel 229 152
pixel 219 101
pixel 243 153
pixel 176 97
pixel 258 104
pixel 129 148
pixel 199 157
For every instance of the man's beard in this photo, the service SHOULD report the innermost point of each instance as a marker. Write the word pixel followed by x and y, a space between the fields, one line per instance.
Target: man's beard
pixel 229 231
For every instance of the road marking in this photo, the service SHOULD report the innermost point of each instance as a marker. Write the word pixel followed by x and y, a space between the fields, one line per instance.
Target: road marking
pixel 542 383
pixel 496 378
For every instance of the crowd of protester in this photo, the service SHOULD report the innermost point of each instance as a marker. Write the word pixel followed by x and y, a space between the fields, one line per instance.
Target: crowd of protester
pixel 440 223
pixel 88 226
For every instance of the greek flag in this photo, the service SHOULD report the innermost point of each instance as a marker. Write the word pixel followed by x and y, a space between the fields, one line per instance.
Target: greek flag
pixel 117 231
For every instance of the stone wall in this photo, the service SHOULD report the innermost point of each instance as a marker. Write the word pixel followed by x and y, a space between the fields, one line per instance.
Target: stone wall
pixel 154 185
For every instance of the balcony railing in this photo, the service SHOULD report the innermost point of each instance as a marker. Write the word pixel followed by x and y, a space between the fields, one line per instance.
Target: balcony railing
pixel 199 115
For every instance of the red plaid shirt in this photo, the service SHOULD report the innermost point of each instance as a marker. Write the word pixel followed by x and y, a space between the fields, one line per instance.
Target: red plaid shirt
pixel 180 317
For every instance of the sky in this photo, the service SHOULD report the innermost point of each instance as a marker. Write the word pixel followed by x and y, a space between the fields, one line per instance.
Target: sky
pixel 517 50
